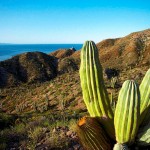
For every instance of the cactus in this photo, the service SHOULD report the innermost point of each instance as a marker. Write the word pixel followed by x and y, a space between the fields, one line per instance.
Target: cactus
pixel 94 92
pixel 120 147
pixel 145 98
pixel 144 136
pixel 132 109
pixel 127 112
pixel 91 134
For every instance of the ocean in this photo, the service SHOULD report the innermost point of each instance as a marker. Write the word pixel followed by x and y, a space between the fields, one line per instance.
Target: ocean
pixel 9 50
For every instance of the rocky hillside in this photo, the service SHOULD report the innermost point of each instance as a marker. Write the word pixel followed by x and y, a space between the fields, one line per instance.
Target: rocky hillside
pixel 121 53
pixel 66 60
pixel 131 50
pixel 126 52
pixel 35 67
pixel 28 67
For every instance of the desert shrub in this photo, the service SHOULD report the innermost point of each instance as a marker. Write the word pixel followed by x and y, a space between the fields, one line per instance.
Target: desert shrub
pixel 19 129
pixel 6 120
pixel 57 141
pixel 34 136
pixel 2 146
pixel 2 141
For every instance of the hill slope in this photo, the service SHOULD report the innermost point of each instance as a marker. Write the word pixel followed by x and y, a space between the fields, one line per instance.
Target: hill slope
pixel 131 50
pixel 128 51
pixel 28 67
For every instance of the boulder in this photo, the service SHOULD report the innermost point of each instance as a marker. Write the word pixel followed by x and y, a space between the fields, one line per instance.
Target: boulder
pixel 66 65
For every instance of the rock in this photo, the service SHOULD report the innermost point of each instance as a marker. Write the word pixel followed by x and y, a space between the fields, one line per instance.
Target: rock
pixel 69 133
pixel 67 65
pixel 54 130
pixel 111 72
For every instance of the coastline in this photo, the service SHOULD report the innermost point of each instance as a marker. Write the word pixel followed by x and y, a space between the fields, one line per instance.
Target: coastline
pixel 9 50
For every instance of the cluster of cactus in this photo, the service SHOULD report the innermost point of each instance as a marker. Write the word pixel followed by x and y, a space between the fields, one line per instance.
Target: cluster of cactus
pixel 129 125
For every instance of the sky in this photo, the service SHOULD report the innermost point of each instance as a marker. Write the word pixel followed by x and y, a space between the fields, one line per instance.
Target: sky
pixel 70 21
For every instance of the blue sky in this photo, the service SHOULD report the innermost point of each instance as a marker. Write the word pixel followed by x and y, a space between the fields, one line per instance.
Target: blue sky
pixel 70 21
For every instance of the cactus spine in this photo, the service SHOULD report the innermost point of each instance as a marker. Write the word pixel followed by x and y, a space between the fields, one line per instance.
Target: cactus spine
pixel 127 113
pixel 94 92
pixel 145 98
pixel 91 134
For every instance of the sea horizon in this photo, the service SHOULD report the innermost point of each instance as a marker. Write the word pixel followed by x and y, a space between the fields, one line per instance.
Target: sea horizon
pixel 8 50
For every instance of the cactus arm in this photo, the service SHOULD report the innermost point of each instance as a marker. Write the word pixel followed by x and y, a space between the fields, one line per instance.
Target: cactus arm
pixel 145 98
pixel 127 112
pixel 83 79
pixel 92 83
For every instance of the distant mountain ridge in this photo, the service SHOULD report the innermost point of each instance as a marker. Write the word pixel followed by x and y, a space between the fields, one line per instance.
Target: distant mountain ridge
pixel 133 49
pixel 127 52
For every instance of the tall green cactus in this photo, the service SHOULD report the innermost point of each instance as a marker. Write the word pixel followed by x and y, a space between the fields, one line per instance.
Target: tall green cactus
pixel 94 92
pixel 127 113
pixel 145 98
